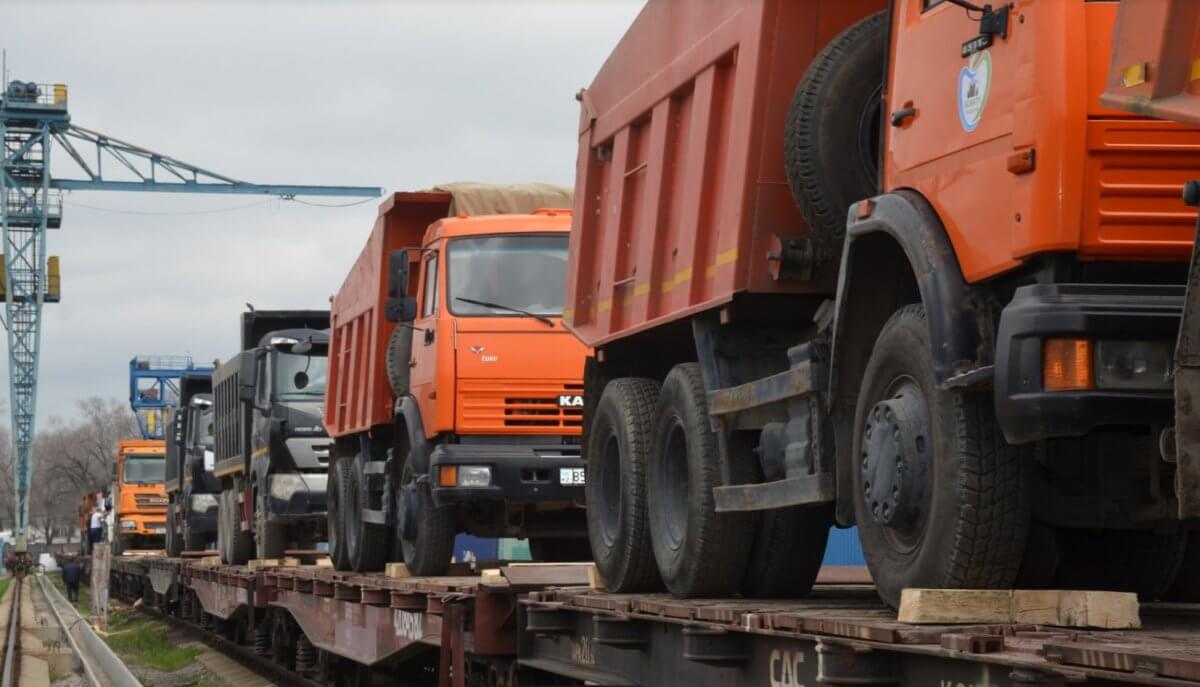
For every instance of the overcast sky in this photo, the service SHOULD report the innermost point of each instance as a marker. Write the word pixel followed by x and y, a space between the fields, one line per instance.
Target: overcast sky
pixel 397 95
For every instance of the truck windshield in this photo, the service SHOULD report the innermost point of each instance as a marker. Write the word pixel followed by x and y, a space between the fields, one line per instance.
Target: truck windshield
pixel 299 376
pixel 521 272
pixel 144 469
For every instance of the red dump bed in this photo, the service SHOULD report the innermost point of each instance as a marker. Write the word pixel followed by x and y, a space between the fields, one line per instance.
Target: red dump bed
pixel 680 185
pixel 358 395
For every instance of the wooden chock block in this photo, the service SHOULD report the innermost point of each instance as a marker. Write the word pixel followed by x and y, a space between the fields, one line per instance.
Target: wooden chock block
pixel 1057 607
pixel 396 570
pixel 263 563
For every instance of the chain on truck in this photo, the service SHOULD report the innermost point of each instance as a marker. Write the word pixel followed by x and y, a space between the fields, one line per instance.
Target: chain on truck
pixel 891 265
pixel 272 451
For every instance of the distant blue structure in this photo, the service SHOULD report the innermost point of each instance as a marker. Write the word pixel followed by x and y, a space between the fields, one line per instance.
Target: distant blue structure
pixel 843 547
pixel 154 387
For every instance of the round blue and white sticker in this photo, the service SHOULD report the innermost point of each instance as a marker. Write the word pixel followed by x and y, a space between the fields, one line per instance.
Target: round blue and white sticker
pixel 973 83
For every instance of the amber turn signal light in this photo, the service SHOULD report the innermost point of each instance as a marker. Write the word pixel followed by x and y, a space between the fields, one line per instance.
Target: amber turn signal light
pixel 1067 365
pixel 448 476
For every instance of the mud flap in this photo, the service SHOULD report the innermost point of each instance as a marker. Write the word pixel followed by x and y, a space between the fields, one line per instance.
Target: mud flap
pixel 1187 382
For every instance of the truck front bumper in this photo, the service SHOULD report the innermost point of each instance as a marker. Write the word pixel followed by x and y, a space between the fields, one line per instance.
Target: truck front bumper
pixel 517 473
pixel 1099 313
pixel 142 525
pixel 297 494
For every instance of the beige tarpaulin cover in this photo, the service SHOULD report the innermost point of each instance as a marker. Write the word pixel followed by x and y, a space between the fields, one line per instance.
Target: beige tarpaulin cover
pixel 473 198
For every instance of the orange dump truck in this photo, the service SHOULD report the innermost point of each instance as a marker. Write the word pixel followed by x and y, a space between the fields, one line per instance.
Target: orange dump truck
pixel 885 264
pixel 454 392
pixel 140 501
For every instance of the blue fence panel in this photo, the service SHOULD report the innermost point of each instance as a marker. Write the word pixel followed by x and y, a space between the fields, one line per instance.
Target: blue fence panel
pixel 843 547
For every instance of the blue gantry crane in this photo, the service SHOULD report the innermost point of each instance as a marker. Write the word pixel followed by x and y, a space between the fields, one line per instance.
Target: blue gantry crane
pixel 154 387
pixel 33 117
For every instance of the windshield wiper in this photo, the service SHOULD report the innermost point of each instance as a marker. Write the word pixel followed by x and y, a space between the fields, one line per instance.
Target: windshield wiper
pixel 540 318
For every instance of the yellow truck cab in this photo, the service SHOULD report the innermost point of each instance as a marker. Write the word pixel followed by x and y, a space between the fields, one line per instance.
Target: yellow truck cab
pixel 138 494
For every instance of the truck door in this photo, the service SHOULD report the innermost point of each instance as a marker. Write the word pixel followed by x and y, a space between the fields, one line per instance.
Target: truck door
pixel 424 348
pixel 950 124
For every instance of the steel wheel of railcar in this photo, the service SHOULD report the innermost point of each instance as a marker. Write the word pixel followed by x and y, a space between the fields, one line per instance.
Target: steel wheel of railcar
pixel 699 552
pixel 366 543
pixel 426 532
pixel 940 499
pixel 617 453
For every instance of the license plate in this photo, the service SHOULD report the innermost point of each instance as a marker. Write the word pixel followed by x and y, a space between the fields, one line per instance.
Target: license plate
pixel 160 530
pixel 571 476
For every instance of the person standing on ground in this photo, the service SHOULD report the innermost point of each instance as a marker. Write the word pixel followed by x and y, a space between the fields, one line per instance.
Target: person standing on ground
pixel 72 571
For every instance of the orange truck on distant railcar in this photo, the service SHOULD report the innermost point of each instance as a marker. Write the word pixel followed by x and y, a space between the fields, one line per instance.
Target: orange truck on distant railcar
pixel 454 393
pixel 885 264
pixel 139 498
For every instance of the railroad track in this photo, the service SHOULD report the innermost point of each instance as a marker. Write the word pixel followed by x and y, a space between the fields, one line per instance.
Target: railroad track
pixel 12 643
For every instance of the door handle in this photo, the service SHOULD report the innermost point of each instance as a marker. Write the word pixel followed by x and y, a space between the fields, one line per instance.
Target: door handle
pixel 429 337
pixel 900 116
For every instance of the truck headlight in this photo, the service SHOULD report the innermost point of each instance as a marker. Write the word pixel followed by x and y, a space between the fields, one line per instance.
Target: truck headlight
pixel 474 475
pixel 128 525
pixel 1140 365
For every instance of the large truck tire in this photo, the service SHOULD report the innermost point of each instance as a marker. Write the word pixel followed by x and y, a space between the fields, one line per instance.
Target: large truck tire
pixel 1141 562
pixel 699 552
pixel 194 541
pixel 426 532
pixel 831 138
pixel 236 545
pixel 941 500
pixel 367 544
pixel 270 538
pixel 335 516
pixel 1186 587
pixel 173 543
pixel 398 359
pixel 617 449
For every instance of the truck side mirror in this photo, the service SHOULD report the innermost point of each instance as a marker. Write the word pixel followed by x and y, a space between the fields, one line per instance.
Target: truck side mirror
pixel 398 265
pixel 401 309
pixel 247 376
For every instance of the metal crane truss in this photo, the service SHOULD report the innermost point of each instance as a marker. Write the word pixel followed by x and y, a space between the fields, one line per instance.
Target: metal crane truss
pixel 30 115
pixel 154 387
pixel 32 118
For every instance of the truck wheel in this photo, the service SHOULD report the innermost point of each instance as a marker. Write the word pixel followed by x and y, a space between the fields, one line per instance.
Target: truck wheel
pixel 1187 581
pixel 699 552
pixel 194 541
pixel 940 499
pixel 335 525
pixel 426 532
pixel 789 543
pixel 270 538
pixel 399 355
pixel 618 446
pixel 1148 562
pixel 560 549
pixel 831 139
pixel 172 534
pixel 367 543
pixel 235 544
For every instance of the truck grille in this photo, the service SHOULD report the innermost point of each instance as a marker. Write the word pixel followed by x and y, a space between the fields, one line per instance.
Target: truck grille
pixel 520 407
pixel 150 502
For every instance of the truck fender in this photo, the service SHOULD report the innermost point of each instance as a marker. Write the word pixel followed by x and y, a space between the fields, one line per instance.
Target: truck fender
pixel 897 252
pixel 408 415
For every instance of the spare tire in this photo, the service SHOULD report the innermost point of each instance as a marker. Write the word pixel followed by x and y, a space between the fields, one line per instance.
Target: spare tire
pixel 399 354
pixel 832 135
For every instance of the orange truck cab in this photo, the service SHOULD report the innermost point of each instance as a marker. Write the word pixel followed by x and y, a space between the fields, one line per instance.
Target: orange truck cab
pixel 455 392
pixel 885 264
pixel 140 502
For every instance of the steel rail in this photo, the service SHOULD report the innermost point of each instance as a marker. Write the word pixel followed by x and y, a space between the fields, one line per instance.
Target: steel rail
pixel 115 673
pixel 14 632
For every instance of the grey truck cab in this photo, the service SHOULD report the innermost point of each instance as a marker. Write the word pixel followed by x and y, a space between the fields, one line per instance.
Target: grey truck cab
pixel 272 452
pixel 192 489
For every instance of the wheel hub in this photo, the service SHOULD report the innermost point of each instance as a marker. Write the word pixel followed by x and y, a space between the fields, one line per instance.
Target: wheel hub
pixel 895 459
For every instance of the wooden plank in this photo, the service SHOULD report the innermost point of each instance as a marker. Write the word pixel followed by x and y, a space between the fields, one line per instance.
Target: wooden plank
pixel 1063 608
pixel 537 575
pixel 263 563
